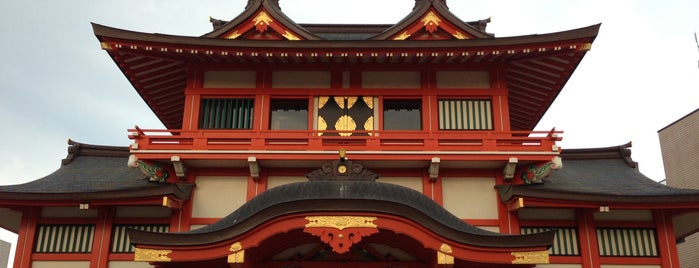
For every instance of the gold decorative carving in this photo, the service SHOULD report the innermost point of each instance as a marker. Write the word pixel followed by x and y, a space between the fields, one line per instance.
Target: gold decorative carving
pixel 290 36
pixel 340 232
pixel 531 257
pixel 459 35
pixel 238 255
pixel 340 222
pixel 402 36
pixel 443 258
pixel 262 21
pixel 431 21
pixel 237 246
pixel 350 102
pixel 146 254
pixel 445 248
pixel 322 101
pixel 232 35
pixel 105 46
pixel 340 102
pixel 587 47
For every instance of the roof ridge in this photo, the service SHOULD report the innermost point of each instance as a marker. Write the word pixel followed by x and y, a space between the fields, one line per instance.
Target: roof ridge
pixel 76 149
pixel 620 151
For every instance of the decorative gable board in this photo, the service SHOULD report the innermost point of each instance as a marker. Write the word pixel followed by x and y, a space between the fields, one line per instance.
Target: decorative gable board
pixel 432 26
pixel 262 25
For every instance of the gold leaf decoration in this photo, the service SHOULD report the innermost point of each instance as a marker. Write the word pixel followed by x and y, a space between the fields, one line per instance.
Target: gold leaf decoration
pixel 232 35
pixel 531 257
pixel 459 35
pixel 290 36
pixel 402 36
pixel 431 21
pixel 340 222
pixel 146 254
pixel 345 123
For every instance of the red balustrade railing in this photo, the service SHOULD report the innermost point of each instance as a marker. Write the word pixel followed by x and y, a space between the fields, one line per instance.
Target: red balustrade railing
pixel 174 139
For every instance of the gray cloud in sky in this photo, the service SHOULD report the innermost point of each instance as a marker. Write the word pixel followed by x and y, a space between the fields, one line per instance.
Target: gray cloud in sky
pixel 57 83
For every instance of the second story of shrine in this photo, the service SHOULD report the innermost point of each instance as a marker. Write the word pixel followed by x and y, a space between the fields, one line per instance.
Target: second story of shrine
pixel 430 85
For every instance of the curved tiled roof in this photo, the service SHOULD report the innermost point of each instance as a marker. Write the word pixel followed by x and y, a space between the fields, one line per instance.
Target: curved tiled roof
pixel 92 172
pixel 606 175
pixel 343 196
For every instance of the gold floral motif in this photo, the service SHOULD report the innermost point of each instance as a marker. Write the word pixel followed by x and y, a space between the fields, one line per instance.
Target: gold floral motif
pixel 322 125
pixel 290 36
pixel 322 101
pixel 345 123
pixel 146 254
pixel 340 222
pixel 402 36
pixel 531 257
pixel 340 102
pixel 351 101
pixel 232 35
pixel 369 124
pixel 369 102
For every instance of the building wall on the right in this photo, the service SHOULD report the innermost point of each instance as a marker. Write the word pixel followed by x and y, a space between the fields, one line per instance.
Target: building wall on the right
pixel 4 253
pixel 679 143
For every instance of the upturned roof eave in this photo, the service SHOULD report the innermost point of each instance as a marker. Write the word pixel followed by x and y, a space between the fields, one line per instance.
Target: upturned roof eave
pixel 109 33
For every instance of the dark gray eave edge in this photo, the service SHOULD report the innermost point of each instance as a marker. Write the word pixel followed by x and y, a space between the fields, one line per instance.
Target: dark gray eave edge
pixel 181 191
pixel 586 33
pixel 342 197
pixel 508 192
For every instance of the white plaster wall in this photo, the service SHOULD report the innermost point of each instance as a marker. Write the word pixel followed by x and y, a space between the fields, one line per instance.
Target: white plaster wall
pixel 129 264
pixel 60 264
pixel 230 79
pixel 559 266
pixel 463 79
pixel 301 79
pixel 391 79
pixel 218 196
pixel 274 181
pixel 629 266
pixel 143 212
pixel 470 198
pixel 414 183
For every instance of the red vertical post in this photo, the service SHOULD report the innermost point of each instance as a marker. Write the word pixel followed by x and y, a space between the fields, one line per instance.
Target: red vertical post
pixel 102 239
pixel 25 238
pixel 587 237
pixel 667 248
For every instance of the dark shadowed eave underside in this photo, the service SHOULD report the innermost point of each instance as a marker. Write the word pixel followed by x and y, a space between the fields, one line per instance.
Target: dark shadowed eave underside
pixel 601 175
pixel 538 66
pixel 339 197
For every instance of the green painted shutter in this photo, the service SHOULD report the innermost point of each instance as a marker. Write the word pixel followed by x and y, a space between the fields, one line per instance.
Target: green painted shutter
pixel 565 243
pixel 624 242
pixel 120 238
pixel 64 238
pixel 226 113
pixel 465 115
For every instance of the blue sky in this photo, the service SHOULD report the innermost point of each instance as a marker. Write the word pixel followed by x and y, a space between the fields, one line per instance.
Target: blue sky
pixel 56 82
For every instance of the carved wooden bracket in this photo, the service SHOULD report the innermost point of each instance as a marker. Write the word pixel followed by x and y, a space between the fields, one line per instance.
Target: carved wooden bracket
pixel 341 232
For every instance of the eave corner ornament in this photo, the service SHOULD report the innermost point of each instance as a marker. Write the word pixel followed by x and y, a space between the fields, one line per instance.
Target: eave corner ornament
pixel 535 174
pixel 238 253
pixel 153 171
pixel 341 232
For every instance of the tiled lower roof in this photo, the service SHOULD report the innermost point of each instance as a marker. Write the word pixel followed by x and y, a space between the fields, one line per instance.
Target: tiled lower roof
pixel 91 172
pixel 600 175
